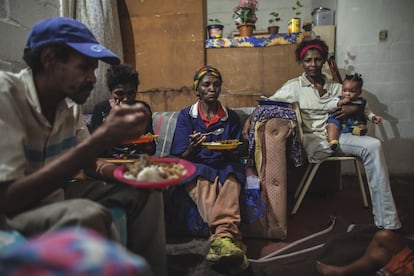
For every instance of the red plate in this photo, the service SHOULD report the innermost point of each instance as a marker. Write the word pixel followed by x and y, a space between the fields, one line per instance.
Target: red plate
pixel 190 167
pixel 141 139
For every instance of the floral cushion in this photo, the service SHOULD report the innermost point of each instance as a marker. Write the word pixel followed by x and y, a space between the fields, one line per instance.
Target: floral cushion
pixel 71 251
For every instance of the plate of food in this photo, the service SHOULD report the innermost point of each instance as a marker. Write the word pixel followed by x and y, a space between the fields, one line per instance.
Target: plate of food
pixel 222 145
pixel 154 172
pixel 147 138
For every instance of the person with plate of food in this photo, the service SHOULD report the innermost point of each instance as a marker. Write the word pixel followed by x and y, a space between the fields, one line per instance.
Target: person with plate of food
pixel 45 143
pixel 217 183
pixel 122 81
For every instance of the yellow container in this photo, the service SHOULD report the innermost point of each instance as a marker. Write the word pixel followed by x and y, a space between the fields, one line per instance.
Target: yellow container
pixel 294 25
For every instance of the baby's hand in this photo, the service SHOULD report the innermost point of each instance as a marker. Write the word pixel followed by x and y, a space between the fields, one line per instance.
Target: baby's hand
pixel 376 119
pixel 343 101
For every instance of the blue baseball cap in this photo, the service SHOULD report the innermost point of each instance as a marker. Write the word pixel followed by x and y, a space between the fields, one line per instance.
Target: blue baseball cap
pixel 72 33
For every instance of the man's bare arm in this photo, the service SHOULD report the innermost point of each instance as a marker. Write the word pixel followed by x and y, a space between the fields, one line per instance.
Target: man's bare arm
pixel 21 194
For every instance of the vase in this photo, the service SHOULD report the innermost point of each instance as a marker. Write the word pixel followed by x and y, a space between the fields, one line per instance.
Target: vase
pixel 273 29
pixel 215 31
pixel 246 29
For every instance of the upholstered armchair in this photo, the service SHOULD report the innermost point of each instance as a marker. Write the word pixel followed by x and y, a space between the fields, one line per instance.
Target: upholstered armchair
pixel 263 200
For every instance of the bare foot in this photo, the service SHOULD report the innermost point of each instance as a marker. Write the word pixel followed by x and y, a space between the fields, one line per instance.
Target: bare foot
pixel 329 270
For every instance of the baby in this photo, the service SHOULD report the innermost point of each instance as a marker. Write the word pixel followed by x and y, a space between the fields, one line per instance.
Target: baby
pixel 357 124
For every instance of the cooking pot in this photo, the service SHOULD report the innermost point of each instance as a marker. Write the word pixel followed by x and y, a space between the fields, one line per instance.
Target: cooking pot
pixel 323 16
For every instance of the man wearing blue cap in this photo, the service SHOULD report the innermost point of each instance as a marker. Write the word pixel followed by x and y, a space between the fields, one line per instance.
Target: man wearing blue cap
pixel 45 143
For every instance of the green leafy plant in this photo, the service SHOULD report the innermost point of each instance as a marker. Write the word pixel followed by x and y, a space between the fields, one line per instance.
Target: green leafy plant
pixel 245 12
pixel 274 18
pixel 297 8
pixel 214 21
pixel 243 15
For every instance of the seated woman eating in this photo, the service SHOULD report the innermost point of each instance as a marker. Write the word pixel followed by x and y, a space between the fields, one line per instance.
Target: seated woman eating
pixel 217 184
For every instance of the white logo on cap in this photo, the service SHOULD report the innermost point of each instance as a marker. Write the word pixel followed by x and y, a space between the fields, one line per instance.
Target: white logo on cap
pixel 97 48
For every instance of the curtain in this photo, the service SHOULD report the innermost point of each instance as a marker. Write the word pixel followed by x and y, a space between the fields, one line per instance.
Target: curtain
pixel 101 16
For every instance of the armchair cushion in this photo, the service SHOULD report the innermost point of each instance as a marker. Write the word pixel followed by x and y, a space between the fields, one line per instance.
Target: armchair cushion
pixel 272 135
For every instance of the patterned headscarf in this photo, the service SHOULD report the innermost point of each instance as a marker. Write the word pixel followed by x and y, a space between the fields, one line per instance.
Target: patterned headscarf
pixel 201 72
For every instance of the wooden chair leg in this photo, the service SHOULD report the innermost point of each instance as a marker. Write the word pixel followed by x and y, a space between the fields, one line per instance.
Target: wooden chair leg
pixel 302 181
pixel 308 181
pixel 361 182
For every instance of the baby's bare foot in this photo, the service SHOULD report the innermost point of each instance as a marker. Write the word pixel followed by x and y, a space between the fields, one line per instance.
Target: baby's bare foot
pixel 329 270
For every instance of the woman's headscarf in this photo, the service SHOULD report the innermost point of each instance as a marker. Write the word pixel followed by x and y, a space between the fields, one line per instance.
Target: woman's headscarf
pixel 201 72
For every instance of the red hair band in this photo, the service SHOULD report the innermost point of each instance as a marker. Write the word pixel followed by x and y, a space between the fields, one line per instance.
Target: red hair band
pixel 306 48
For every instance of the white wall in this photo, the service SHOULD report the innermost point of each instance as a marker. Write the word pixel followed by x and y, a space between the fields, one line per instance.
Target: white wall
pixel 386 66
pixel 387 69
pixel 16 19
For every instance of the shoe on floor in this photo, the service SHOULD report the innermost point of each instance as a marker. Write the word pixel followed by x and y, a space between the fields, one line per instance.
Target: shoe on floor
pixel 224 250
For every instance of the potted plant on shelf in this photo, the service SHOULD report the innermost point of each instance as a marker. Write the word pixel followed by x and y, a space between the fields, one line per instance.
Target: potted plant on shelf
pixel 215 28
pixel 273 28
pixel 294 23
pixel 245 16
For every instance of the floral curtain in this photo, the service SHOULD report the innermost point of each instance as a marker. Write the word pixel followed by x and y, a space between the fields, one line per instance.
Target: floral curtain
pixel 101 16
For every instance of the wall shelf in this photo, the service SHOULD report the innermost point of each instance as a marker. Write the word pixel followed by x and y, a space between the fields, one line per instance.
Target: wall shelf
pixel 255 41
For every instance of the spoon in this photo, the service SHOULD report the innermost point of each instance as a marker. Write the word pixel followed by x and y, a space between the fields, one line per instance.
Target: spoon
pixel 214 132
